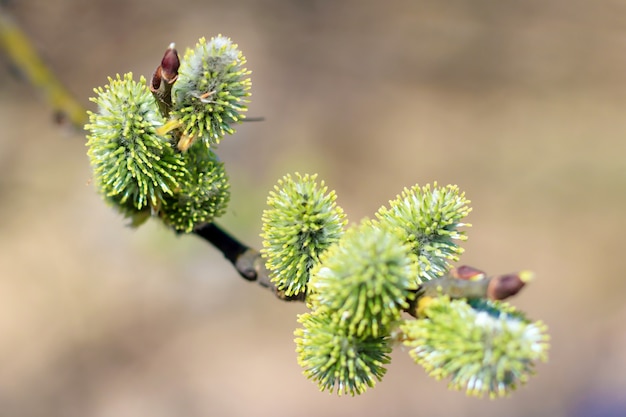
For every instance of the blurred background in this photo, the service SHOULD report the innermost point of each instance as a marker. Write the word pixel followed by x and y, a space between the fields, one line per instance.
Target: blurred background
pixel 519 103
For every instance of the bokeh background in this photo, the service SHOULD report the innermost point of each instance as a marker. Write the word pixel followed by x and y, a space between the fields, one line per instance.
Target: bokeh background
pixel 519 103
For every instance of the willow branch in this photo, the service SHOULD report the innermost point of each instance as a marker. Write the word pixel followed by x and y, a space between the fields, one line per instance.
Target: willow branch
pixel 247 261
pixel 463 282
pixel 498 287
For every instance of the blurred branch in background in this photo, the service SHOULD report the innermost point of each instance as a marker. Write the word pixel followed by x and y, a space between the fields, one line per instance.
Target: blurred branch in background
pixel 30 65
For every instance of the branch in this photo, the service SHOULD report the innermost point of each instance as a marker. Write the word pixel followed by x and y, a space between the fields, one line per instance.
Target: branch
pixel 461 282
pixel 247 261
pixel 470 283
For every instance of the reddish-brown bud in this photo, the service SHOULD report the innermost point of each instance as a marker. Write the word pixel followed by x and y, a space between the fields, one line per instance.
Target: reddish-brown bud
pixel 504 286
pixel 156 79
pixel 170 64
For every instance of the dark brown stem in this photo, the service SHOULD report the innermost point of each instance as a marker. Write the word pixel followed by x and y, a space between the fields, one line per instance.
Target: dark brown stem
pixel 247 261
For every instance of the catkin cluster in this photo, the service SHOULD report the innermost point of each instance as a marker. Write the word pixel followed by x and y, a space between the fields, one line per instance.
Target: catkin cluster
pixel 153 153
pixel 359 281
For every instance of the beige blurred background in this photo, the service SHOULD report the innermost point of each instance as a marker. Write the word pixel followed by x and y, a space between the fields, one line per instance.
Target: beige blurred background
pixel 519 103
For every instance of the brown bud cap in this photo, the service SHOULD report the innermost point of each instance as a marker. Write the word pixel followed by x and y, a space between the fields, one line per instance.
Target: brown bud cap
pixel 504 286
pixel 170 64
pixel 156 79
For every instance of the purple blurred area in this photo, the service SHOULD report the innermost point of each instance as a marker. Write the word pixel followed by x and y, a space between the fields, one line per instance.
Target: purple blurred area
pixel 519 103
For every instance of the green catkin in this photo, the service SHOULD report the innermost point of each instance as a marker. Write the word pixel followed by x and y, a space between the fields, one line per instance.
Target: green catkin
pixel 365 279
pixel 134 167
pixel 429 219
pixel 211 92
pixel 202 196
pixel 484 347
pixel 336 359
pixel 302 221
